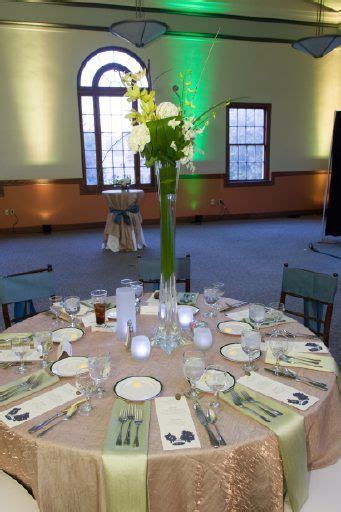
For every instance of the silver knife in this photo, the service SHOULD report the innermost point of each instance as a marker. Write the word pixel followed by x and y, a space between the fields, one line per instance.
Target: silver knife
pixel 305 380
pixel 46 422
pixel 204 421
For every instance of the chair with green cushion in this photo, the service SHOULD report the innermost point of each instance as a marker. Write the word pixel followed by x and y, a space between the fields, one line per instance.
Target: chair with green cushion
pixel 317 292
pixel 17 291
pixel 149 270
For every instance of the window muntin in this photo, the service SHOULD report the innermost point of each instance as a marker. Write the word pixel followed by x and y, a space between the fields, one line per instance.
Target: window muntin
pixel 248 129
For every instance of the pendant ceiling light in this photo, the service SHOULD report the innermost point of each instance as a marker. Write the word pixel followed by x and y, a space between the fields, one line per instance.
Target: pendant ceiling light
pixel 140 31
pixel 321 44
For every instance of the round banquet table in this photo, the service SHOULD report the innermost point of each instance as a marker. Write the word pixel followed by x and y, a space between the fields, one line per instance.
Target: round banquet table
pixel 64 468
pixel 126 234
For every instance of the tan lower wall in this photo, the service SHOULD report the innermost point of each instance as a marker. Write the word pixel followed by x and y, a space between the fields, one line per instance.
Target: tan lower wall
pixel 62 204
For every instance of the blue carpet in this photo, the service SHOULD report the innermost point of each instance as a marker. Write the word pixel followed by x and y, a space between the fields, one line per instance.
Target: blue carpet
pixel 247 255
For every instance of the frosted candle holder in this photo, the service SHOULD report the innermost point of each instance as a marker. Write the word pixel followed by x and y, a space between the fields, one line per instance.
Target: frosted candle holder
pixel 203 339
pixel 125 307
pixel 140 348
pixel 185 314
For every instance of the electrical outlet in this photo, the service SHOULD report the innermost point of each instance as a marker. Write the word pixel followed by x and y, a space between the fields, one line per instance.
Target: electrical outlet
pixel 6 212
pixel 212 202
pixel 12 211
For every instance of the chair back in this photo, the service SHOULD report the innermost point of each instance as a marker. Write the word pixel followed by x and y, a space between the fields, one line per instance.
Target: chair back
pixel 21 289
pixel 317 292
pixel 149 271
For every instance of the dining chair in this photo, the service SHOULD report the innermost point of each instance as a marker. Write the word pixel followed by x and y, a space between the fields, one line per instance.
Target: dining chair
pixel 149 270
pixel 317 292
pixel 14 496
pixel 17 292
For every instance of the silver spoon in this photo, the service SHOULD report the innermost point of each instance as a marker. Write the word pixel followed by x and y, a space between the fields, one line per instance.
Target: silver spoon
pixel 213 418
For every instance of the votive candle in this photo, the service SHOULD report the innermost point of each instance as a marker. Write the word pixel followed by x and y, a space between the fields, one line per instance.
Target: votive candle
pixel 185 315
pixel 140 348
pixel 203 339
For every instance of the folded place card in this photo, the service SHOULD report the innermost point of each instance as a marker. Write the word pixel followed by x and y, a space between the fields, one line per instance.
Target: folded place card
pixel 149 309
pixel 278 391
pixel 176 425
pixel 7 356
pixel 38 405
pixel 306 345
pixel 110 327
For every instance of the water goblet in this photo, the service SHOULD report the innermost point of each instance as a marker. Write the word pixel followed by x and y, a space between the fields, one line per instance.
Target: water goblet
pixel 138 289
pixel 43 342
pixel 210 298
pixel 219 286
pixel 257 314
pixel 276 312
pixel 98 299
pixel 279 344
pixel 85 384
pixel 56 304
pixel 217 379
pixel 20 346
pixel 99 370
pixel 250 342
pixel 126 282
pixel 193 364
pixel 72 306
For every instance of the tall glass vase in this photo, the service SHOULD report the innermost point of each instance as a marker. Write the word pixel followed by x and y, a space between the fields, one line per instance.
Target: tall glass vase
pixel 168 332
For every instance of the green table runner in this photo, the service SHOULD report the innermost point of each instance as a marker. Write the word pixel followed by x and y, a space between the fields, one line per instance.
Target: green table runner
pixel 41 376
pixel 125 467
pixel 5 338
pixel 327 363
pixel 290 433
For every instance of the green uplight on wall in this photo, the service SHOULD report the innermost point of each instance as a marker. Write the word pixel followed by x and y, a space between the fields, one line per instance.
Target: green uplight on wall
pixel 193 189
pixel 196 6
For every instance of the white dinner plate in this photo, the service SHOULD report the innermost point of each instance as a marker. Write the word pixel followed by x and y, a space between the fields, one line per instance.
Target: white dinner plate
pixel 234 352
pixel 138 388
pixel 234 328
pixel 70 366
pixel 201 384
pixel 111 314
pixel 67 334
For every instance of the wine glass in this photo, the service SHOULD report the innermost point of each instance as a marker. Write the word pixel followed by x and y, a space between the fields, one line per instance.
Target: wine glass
pixel 43 342
pixel 217 379
pixel 126 282
pixel 257 314
pixel 20 346
pixel 250 343
pixel 99 370
pixel 278 343
pixel 219 286
pixel 193 364
pixel 72 306
pixel 276 311
pixel 210 298
pixel 138 289
pixel 56 304
pixel 85 384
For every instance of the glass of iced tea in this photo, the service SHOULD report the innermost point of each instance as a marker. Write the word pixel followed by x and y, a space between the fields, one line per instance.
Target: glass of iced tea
pixel 99 298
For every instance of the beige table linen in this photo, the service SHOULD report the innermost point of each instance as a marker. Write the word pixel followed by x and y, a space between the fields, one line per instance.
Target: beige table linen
pixel 64 469
pixel 125 237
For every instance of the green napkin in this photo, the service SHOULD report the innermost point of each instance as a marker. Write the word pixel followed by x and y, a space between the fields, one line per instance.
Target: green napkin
pixel 5 338
pixel 290 433
pixel 327 364
pixel 125 467
pixel 45 380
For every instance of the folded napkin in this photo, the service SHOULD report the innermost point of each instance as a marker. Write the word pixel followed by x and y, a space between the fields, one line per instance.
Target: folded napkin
pixel 243 314
pixel 125 467
pixel 290 432
pixel 38 405
pixel 278 391
pixel 6 337
pixel 41 377
pixel 176 425
pixel 149 309
pixel 327 363
pixel 7 356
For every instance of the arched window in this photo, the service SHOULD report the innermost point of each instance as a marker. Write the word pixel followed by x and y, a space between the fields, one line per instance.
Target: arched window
pixel 104 128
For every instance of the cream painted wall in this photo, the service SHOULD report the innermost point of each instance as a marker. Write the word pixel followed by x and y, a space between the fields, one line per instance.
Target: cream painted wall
pixel 39 129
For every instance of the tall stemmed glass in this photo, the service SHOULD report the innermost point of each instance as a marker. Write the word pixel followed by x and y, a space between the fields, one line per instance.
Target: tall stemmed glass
pixel 99 370
pixel 257 314
pixel 210 298
pixel 56 304
pixel 278 344
pixel 250 342
pixel 20 346
pixel 43 342
pixel 216 378
pixel 219 286
pixel 193 364
pixel 276 311
pixel 85 384
pixel 72 306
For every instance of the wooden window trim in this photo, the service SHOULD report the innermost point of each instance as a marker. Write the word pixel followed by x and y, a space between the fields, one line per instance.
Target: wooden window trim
pixel 267 125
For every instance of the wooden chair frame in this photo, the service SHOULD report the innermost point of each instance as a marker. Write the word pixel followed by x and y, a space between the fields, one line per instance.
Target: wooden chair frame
pixel 5 311
pixel 186 282
pixel 327 317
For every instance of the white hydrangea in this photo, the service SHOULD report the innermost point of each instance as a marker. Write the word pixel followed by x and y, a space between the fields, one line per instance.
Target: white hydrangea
pixel 173 123
pixel 138 138
pixel 166 109
pixel 173 146
pixel 188 152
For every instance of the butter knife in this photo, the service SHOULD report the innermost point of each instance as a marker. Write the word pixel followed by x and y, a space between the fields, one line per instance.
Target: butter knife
pixel 203 420
pixel 58 414
pixel 305 380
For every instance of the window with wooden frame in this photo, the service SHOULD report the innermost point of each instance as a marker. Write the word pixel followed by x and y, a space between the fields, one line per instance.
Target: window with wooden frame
pixel 247 143
pixel 103 123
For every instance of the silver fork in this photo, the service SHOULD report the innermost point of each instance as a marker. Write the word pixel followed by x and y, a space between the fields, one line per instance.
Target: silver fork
pixel 289 359
pixel 265 408
pixel 123 417
pixel 138 421
pixel 131 419
pixel 28 385
pixel 238 401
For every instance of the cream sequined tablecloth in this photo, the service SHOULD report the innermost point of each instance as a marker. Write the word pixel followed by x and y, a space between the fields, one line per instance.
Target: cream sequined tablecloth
pixel 64 469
